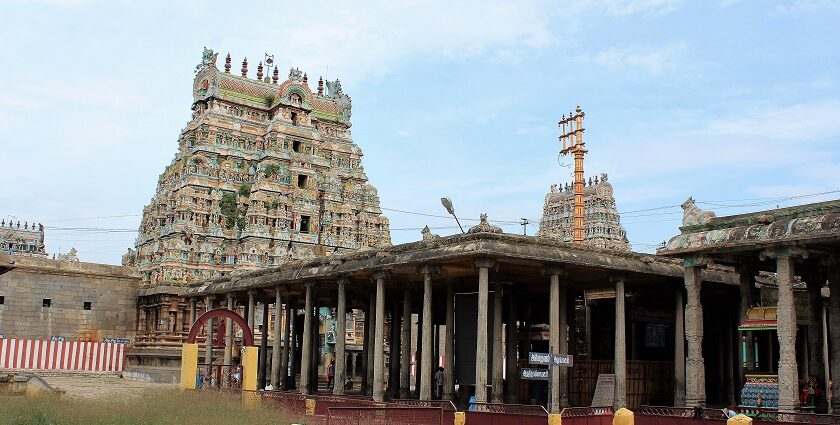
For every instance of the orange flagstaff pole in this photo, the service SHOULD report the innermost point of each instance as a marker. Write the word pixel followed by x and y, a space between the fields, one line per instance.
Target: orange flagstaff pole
pixel 575 147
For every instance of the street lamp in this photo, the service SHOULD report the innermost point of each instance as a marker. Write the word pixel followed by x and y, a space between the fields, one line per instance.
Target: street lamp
pixel 447 203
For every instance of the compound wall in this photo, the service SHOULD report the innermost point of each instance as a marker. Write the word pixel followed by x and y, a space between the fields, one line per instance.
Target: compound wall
pixel 43 298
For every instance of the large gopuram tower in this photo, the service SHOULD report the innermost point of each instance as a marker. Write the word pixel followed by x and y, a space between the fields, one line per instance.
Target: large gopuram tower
pixel 265 171
pixel 602 223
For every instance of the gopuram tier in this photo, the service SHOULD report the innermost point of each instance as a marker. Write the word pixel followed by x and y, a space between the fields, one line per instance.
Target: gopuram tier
pixel 602 223
pixel 266 171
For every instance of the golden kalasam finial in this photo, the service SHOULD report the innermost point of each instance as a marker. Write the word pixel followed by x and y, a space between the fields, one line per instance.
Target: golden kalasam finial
pixel 572 142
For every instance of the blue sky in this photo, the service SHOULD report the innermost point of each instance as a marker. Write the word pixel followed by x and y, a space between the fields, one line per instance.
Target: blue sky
pixel 726 101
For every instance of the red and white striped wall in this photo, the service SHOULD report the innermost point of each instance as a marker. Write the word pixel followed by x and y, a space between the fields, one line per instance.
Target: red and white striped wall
pixel 61 355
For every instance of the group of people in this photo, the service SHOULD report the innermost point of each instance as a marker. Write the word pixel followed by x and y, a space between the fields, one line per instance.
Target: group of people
pixel 210 381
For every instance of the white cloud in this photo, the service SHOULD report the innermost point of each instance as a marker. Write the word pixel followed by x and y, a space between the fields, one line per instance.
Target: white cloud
pixel 793 137
pixel 649 60
pixel 800 122
pixel 358 40
pixel 807 6
pixel 633 7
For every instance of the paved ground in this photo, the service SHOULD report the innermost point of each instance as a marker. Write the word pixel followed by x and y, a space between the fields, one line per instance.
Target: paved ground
pixel 86 387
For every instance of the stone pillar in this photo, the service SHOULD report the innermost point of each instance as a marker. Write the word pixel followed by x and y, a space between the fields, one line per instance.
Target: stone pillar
pixel 426 363
pixel 418 354
pixel 394 355
pixel 340 338
pixel 370 340
pixel 554 325
pixel 563 345
pixel 307 349
pixel 498 368
pixel 679 350
pixel 229 332
pixel 825 359
pixel 786 319
pixel 484 265
pixel 288 347
pixel 620 358
pixel 449 344
pixel 512 353
pixel 142 326
pixel 179 318
pixel 193 303
pixel 251 294
pixel 695 372
pixel 315 360
pixel 379 339
pixel 277 345
pixel 208 354
pixel 263 349
pixel 405 356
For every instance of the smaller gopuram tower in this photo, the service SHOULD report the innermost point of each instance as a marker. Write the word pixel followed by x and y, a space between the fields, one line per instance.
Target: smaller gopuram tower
pixel 22 239
pixel 602 223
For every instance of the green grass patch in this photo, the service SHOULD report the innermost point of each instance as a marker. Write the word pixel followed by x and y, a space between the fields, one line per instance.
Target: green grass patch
pixel 160 408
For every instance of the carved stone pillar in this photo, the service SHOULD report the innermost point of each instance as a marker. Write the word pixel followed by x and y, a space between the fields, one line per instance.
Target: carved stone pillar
pixel 288 346
pixel 251 305
pixel 695 379
pixel 370 324
pixel 405 356
pixel 511 352
pixel 483 265
pixel 276 355
pixel 449 344
pixel 620 358
pixel 679 350
pixel 555 324
pixel 340 339
pixel 208 353
pixel 193 303
pixel 379 339
pixel 786 319
pixel 426 363
pixel 263 359
pixel 498 368
pixel 229 332
pixel 142 324
pixel 394 354
pixel 307 349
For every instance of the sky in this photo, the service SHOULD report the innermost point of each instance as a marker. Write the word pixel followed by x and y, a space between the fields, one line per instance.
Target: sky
pixel 735 103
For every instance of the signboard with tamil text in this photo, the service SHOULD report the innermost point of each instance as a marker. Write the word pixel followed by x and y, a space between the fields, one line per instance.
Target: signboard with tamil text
pixel 535 374
pixel 565 360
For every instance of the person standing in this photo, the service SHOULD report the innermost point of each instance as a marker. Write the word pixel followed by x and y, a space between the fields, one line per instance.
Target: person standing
pixel 439 383
pixel 330 375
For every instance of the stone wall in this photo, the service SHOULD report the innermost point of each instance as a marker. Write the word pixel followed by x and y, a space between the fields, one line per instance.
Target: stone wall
pixel 110 290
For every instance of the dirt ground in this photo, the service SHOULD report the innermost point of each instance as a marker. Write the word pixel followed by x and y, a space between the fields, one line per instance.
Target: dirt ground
pixel 84 387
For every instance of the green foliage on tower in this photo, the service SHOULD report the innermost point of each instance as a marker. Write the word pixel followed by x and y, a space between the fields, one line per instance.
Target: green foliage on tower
pixel 234 216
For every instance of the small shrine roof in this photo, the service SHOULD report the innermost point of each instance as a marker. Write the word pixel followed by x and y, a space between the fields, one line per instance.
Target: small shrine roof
pixel 809 224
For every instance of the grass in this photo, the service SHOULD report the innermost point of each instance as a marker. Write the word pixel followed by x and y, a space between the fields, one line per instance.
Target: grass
pixel 161 408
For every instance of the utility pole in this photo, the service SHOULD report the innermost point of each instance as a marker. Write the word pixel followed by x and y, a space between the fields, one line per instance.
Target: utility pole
pixel 524 224
pixel 572 139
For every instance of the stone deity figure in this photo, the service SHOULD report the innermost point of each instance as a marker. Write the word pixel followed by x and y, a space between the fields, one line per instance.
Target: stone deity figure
pixel 692 215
